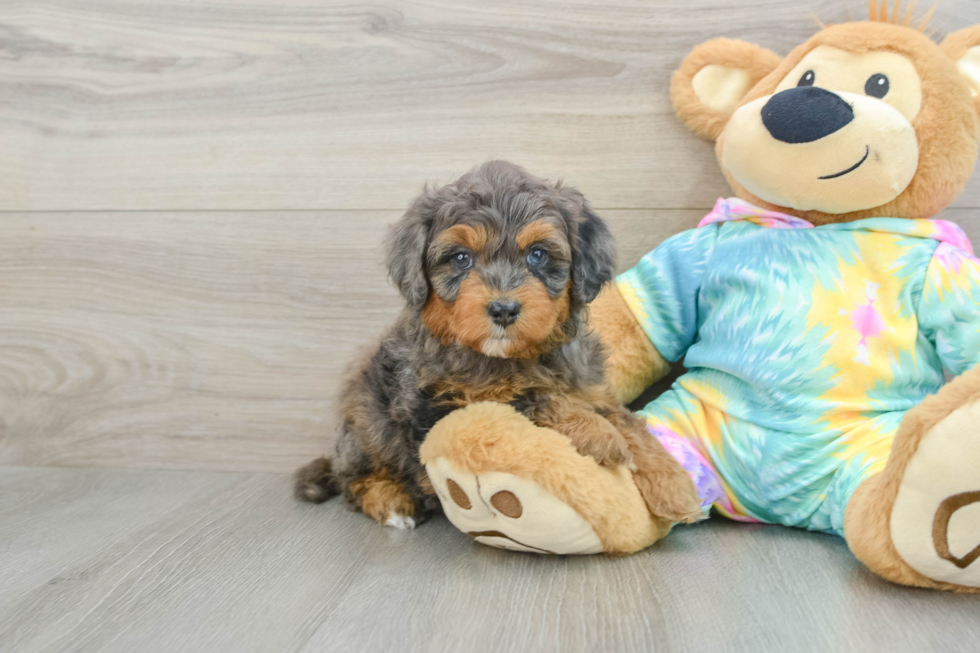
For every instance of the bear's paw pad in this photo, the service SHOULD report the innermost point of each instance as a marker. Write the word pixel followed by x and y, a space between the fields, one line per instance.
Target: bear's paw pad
pixel 509 512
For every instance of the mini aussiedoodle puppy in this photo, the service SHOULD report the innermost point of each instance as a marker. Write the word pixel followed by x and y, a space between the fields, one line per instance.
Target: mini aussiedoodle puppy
pixel 497 270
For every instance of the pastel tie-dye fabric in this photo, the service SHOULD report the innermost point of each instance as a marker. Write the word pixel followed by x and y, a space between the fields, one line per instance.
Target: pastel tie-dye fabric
pixel 804 347
pixel 703 474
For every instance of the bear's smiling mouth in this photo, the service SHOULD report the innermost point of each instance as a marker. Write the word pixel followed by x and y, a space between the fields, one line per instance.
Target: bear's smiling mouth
pixel 867 150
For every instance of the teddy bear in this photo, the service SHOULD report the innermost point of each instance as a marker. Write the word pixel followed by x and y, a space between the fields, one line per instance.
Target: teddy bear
pixel 829 326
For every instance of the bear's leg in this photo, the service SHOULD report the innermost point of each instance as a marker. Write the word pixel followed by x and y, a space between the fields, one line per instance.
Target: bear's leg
pixel 918 521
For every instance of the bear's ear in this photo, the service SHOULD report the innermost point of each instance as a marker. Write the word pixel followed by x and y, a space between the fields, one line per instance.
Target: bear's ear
pixel 713 80
pixel 963 47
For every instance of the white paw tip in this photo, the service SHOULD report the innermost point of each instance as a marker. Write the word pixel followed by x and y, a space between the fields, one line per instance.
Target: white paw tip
pixel 400 522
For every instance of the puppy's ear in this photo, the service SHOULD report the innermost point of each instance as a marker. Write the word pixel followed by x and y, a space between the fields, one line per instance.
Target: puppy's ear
pixel 405 251
pixel 714 79
pixel 593 247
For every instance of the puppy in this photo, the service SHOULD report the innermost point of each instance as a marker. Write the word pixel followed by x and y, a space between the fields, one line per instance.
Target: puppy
pixel 497 270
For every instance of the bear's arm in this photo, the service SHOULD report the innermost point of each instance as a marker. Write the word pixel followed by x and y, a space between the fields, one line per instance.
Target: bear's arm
pixel 949 310
pixel 648 318
pixel 632 362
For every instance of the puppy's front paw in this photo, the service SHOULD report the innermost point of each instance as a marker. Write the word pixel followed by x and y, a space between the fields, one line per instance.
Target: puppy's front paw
pixel 607 451
pixel 594 436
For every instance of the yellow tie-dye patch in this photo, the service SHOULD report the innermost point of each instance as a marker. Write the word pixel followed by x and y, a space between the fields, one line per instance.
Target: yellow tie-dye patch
pixel 866 330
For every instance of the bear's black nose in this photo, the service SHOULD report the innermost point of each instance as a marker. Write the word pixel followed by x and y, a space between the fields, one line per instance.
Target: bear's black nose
pixel 504 313
pixel 805 114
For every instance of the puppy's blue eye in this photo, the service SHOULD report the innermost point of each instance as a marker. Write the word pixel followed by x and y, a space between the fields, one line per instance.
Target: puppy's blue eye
pixel 462 261
pixel 537 257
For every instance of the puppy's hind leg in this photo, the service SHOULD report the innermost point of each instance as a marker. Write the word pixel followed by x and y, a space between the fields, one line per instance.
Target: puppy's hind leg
pixel 315 482
pixel 384 500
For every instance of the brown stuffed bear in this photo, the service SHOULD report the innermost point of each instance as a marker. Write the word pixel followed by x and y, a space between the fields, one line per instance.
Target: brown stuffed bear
pixel 818 314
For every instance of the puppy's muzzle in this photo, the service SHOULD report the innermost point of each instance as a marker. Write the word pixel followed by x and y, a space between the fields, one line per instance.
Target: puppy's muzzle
pixel 504 313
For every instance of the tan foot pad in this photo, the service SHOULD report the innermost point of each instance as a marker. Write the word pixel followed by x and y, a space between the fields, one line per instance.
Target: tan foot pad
pixel 935 523
pixel 508 512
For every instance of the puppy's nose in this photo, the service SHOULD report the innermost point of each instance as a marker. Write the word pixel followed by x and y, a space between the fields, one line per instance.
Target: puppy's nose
pixel 504 313
pixel 805 114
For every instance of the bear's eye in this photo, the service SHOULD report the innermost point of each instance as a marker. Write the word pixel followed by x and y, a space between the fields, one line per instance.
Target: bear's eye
pixel 876 86
pixel 808 78
pixel 537 257
pixel 462 261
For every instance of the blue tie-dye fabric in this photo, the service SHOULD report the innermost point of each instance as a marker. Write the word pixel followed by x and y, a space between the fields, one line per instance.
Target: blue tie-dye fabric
pixel 805 346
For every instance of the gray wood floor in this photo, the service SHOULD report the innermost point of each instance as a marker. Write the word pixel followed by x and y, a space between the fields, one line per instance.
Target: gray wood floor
pixel 203 561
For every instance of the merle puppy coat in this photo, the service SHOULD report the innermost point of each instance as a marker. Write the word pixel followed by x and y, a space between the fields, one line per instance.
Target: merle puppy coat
pixel 497 270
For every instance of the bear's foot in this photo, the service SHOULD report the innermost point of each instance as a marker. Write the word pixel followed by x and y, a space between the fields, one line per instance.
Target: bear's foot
pixel 929 493
pixel 511 484
pixel 935 522
pixel 510 512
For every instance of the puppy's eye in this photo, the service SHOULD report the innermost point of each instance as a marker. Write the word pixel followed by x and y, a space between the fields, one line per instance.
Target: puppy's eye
pixel 809 77
pixel 461 261
pixel 877 86
pixel 537 257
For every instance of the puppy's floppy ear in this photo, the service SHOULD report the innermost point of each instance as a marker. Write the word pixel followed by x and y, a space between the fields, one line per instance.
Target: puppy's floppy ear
pixel 405 251
pixel 963 47
pixel 713 80
pixel 593 247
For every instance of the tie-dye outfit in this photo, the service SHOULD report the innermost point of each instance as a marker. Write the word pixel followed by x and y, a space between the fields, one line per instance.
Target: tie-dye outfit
pixel 804 347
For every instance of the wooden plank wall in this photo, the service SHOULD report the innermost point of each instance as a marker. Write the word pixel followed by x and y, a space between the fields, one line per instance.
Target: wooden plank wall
pixel 192 195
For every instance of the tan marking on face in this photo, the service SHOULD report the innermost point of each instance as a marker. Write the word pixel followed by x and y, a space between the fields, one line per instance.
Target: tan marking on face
pixel 534 232
pixel 539 326
pixel 472 238
pixel 540 231
pixel 464 321
pixel 467 323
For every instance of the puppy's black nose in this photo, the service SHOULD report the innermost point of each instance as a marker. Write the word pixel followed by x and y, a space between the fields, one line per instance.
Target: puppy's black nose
pixel 504 313
pixel 805 114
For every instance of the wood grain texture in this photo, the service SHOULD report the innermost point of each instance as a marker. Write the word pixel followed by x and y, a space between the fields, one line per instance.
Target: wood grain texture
pixel 296 104
pixel 196 340
pixel 202 340
pixel 190 561
pixel 216 339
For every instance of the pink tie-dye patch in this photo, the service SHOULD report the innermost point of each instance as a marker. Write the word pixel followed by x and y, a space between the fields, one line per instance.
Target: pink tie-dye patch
pixel 950 257
pixel 733 209
pixel 868 322
pixel 951 233
pixel 703 474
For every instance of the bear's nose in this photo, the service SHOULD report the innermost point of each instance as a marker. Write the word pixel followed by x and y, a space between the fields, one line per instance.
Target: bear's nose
pixel 805 114
pixel 504 313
